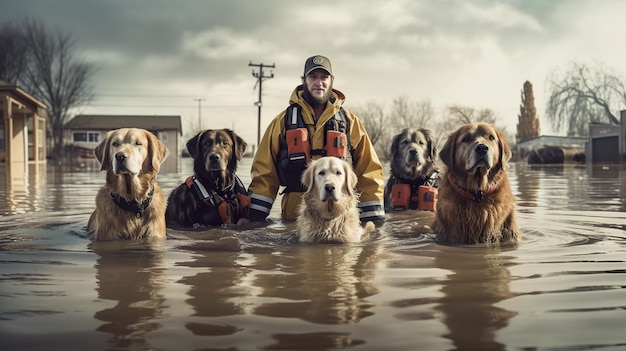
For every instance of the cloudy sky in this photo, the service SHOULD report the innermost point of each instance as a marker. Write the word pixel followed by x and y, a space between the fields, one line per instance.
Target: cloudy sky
pixel 158 57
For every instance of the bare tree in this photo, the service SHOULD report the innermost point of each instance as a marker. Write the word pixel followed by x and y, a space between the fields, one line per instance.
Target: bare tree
pixel 407 114
pixel 582 95
pixel 458 115
pixel 373 118
pixel 55 75
pixel 528 123
pixel 13 52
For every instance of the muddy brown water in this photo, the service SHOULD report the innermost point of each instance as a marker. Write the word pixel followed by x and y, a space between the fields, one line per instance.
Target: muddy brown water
pixel 255 288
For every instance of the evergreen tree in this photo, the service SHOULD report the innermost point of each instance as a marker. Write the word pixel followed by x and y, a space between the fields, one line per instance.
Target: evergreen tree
pixel 528 125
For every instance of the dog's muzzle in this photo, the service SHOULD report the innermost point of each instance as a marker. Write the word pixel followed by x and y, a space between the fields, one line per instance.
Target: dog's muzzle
pixel 214 162
pixel 120 162
pixel 481 155
pixel 329 193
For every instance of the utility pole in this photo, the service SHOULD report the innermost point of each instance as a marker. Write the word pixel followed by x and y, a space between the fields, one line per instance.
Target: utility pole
pixel 260 76
pixel 199 112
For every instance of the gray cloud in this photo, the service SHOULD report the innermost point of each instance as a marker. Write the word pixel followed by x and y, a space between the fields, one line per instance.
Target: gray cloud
pixel 166 53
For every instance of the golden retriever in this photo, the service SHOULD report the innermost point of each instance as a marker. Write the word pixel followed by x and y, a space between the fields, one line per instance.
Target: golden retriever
pixel 328 210
pixel 413 154
pixel 476 204
pixel 130 205
pixel 214 195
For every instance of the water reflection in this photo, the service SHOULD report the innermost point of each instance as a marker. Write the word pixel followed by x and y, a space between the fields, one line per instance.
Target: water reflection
pixel 326 284
pixel 254 288
pixel 215 288
pixel 25 191
pixel 478 280
pixel 131 277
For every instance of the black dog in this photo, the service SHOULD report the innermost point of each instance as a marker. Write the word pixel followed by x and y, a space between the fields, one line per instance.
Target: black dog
pixel 413 155
pixel 214 195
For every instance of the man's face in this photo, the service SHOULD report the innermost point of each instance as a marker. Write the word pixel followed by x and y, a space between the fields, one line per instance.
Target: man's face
pixel 318 87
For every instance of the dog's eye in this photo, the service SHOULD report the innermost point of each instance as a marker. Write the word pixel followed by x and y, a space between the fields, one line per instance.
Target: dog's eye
pixel 322 173
pixel 421 142
pixel 115 143
pixel 224 143
pixel 339 173
pixel 138 142
pixel 491 137
pixel 466 139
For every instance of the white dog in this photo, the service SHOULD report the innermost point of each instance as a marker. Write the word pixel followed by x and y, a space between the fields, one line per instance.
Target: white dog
pixel 328 209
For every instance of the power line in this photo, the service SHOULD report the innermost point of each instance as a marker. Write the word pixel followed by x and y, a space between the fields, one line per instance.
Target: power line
pixel 199 113
pixel 260 76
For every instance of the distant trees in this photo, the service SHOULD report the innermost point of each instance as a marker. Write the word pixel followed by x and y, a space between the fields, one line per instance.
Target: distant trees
pixel 458 115
pixel 581 95
pixel 44 62
pixel 404 113
pixel 528 123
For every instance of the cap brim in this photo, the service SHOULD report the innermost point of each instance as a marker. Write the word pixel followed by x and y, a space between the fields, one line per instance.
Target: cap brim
pixel 317 67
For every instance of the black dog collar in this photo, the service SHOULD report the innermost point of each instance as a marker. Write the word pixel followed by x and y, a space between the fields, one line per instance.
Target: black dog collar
pixel 133 206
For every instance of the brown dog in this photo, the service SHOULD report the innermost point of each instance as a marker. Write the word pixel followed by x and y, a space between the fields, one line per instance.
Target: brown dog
pixel 214 195
pixel 328 210
pixel 130 205
pixel 413 154
pixel 475 202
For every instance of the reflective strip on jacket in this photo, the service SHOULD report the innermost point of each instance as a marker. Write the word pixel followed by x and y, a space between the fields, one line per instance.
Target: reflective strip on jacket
pixel 265 184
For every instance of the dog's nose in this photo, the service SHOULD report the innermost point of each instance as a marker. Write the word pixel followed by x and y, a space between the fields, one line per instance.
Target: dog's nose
pixel 413 152
pixel 329 188
pixel 481 149
pixel 214 157
pixel 121 156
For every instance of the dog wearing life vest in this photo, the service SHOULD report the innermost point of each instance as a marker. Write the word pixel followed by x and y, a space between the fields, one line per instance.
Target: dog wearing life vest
pixel 413 154
pixel 476 204
pixel 328 210
pixel 130 205
pixel 214 195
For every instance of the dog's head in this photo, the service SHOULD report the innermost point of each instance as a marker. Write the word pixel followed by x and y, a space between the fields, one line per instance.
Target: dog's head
pixel 216 151
pixel 131 151
pixel 411 151
pixel 476 149
pixel 330 180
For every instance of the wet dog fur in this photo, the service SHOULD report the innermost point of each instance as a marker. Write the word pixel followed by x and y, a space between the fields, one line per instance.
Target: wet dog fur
pixel 328 210
pixel 215 153
pixel 413 154
pixel 131 158
pixel 476 204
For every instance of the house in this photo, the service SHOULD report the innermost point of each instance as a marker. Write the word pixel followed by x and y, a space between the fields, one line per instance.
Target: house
pixel 84 132
pixel 22 128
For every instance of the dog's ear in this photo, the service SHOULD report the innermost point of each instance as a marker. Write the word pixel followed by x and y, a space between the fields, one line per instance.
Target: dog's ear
pixel 307 177
pixel 239 145
pixel 505 150
pixel 192 144
pixel 350 179
pixel 432 147
pixel 447 152
pixel 157 151
pixel 102 153
pixel 396 141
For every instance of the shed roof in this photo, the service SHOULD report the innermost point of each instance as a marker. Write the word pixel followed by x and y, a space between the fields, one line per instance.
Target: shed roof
pixel 6 86
pixel 109 122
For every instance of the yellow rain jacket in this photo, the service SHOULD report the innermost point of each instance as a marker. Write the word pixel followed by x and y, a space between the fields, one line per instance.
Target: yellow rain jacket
pixel 264 186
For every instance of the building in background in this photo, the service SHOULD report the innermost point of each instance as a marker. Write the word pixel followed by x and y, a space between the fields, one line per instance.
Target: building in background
pixel 22 129
pixel 84 132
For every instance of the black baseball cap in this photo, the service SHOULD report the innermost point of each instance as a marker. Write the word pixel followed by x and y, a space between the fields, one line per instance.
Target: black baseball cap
pixel 315 62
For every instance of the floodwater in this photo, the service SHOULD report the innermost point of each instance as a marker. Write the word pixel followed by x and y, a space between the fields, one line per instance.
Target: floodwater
pixel 562 288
